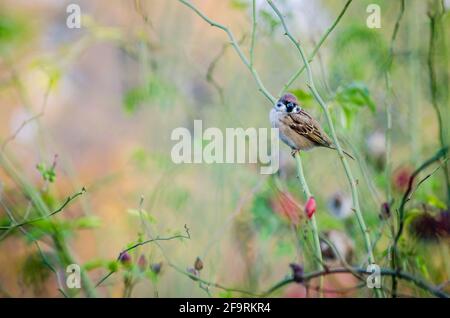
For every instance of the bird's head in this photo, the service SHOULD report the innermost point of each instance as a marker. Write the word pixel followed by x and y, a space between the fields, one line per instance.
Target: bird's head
pixel 287 104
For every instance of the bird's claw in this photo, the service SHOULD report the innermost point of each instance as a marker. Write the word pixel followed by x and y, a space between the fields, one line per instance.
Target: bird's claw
pixel 293 152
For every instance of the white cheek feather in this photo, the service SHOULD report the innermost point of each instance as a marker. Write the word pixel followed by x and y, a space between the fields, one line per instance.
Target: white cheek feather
pixel 275 121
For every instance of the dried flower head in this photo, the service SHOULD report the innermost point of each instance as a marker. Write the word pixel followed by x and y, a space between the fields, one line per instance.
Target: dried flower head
pixel 142 262
pixel 198 264
pixel 286 205
pixel 193 273
pixel 425 227
pixel 297 272
pixel 125 258
pixel 400 178
pixel 340 205
pixel 443 220
pixel 385 211
pixel 342 243
pixel 376 144
pixel 156 267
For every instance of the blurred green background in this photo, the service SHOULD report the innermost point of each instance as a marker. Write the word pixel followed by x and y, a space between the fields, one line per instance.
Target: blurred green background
pixel 95 107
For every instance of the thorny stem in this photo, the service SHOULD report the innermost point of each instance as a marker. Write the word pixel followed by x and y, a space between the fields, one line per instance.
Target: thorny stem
pixel 58 239
pixel 153 240
pixel 68 200
pixel 254 23
pixel 315 231
pixel 388 103
pixel 348 172
pixel 442 153
pixel 316 49
pixel 388 136
pixel 434 91
pixel 383 271
pixel 236 47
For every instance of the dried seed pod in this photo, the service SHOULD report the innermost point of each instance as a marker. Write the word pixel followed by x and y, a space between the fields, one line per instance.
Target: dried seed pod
pixel 193 272
pixel 385 212
pixel 156 267
pixel 142 263
pixel 297 272
pixel 198 264
pixel 125 258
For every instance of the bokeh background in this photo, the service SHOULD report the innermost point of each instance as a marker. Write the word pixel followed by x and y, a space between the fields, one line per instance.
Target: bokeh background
pixel 95 107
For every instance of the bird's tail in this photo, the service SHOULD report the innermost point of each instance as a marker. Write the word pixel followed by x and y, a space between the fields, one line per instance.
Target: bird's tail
pixel 349 155
pixel 345 152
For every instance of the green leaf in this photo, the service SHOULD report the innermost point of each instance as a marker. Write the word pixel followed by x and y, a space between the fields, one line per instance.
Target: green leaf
pixel 113 266
pixel 355 95
pixel 147 216
pixel 436 202
pixel 155 90
pixel 226 294
pixel 86 222
pixel 48 174
pixel 94 264
pixel 270 20
pixel 239 4
pixel 302 95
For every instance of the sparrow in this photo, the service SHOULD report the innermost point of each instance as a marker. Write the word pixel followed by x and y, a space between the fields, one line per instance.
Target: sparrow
pixel 298 129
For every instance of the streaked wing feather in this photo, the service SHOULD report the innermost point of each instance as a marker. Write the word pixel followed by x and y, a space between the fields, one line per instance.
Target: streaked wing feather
pixel 303 124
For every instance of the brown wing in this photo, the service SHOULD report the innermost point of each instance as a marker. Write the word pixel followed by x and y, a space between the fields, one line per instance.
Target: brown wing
pixel 303 124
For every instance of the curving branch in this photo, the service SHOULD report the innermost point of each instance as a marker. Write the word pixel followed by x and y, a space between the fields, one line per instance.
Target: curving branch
pixel 66 202
pixel 441 154
pixel 324 107
pixel 434 290
pixel 434 18
pixel 153 240
pixel 236 47
pixel 316 49
pixel 315 231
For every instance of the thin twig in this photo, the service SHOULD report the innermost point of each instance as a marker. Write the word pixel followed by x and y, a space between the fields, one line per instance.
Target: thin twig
pixel 316 49
pixel 153 240
pixel 61 208
pixel 324 107
pixel 313 222
pixel 401 214
pixel 383 272
pixel 254 24
pixel 433 17
pixel 29 120
pixel 236 47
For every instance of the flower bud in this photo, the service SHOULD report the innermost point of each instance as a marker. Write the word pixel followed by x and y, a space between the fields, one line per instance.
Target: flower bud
pixel 125 258
pixel 198 265
pixel 297 272
pixel 142 263
pixel 310 207
pixel 156 267
pixel 385 212
pixel 193 272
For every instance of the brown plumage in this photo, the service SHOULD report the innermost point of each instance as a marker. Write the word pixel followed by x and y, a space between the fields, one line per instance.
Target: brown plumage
pixel 298 129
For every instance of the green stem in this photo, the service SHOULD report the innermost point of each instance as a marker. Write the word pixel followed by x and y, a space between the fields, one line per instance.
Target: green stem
pixel 313 222
pixel 345 164
pixel 252 44
pixel 316 49
pixel 236 47
pixel 434 23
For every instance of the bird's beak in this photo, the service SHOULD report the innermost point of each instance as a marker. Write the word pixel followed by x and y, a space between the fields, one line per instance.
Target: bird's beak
pixel 289 108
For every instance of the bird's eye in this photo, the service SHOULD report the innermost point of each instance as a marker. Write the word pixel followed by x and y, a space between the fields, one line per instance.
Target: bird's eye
pixel 279 104
pixel 290 105
pixel 297 109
